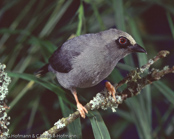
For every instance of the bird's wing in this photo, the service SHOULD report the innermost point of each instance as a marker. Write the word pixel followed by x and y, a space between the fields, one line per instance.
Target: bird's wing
pixel 61 59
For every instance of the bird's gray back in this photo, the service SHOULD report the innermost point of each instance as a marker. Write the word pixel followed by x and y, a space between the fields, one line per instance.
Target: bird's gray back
pixel 61 60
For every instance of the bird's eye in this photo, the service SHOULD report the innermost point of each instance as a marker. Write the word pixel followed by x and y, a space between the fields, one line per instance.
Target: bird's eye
pixel 122 41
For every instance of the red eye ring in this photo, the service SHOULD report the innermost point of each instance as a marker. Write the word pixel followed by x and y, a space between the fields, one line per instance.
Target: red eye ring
pixel 122 40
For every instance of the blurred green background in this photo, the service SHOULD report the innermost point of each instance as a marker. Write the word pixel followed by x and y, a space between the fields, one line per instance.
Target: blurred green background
pixel 31 30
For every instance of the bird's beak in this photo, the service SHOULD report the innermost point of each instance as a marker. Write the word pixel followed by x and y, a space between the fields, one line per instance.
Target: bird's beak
pixel 137 48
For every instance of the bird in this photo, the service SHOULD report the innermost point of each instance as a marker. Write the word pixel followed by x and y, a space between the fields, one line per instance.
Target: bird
pixel 86 60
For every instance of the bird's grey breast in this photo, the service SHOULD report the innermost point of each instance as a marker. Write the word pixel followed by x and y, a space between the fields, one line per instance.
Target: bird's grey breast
pixel 92 65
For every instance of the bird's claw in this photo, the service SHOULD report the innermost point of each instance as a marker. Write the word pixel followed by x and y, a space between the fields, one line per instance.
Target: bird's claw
pixel 82 110
pixel 111 89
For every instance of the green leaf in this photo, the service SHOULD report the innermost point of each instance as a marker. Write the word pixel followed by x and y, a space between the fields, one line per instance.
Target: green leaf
pixel 54 88
pixel 124 115
pixel 139 116
pixel 163 118
pixel 33 114
pixel 13 126
pixel 165 90
pixel 17 21
pixel 125 67
pixel 80 16
pixel 169 18
pixel 75 127
pixel 142 58
pixel 46 47
pixel 97 14
pixel 115 76
pixel 145 98
pixel 118 128
pixel 119 14
pixel 58 12
pixel 167 6
pixel 98 126
pixel 20 95
pixel 118 8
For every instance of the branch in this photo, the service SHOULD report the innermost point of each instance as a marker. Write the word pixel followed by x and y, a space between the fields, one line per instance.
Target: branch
pixel 135 83
pixel 4 118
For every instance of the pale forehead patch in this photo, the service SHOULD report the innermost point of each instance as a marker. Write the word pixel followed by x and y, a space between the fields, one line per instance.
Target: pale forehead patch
pixel 114 34
pixel 129 37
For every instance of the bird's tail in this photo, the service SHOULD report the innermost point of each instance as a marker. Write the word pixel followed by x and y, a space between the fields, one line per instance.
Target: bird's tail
pixel 42 71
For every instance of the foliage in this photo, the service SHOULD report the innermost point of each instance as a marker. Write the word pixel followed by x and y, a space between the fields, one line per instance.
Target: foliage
pixel 30 32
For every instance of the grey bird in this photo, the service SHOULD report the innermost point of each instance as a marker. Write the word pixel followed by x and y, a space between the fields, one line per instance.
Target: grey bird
pixel 86 60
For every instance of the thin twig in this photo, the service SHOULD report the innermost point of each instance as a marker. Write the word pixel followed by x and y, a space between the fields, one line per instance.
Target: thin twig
pixel 161 54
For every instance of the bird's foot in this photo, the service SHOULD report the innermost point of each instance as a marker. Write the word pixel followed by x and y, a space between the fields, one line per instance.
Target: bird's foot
pixel 82 110
pixel 111 89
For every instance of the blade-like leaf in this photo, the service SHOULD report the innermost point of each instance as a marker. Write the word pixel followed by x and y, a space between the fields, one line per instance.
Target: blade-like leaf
pixel 118 8
pixel 170 23
pixel 42 82
pixel 125 67
pixel 75 127
pixel 145 98
pixel 21 94
pixel 139 118
pixel 58 12
pixel 165 90
pixel 97 14
pixel 119 128
pixel 33 114
pixel 80 16
pixel 98 126
pixel 124 115
pixel 119 14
